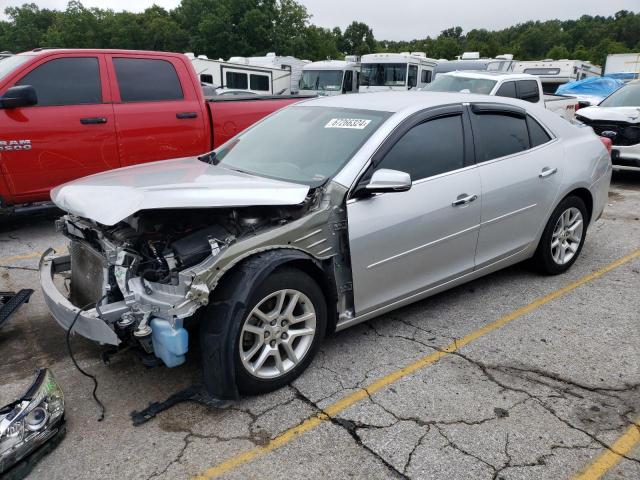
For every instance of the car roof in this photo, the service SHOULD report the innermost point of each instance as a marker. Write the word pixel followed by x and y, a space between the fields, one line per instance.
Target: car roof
pixel 49 51
pixel 403 101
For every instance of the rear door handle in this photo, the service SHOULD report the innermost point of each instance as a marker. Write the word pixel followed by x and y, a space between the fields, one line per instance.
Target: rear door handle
pixel 547 172
pixel 183 115
pixel 93 120
pixel 464 199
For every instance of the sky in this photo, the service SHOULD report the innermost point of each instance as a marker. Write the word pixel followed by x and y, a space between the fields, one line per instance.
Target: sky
pixel 407 19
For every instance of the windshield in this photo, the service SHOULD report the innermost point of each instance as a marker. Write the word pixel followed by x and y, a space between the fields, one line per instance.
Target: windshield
pixel 452 83
pixel 383 74
pixel 9 64
pixel 301 144
pixel 627 96
pixel 330 80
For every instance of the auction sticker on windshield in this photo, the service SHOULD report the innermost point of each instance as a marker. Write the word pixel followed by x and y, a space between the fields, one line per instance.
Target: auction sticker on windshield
pixel 357 123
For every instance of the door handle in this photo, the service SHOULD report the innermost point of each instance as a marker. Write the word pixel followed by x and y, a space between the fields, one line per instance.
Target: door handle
pixel 183 115
pixel 93 120
pixel 464 199
pixel 547 172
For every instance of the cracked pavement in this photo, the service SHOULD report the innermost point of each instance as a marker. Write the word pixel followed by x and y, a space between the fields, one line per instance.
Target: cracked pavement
pixel 539 398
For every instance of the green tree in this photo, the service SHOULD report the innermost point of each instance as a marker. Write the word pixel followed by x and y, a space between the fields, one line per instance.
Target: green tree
pixel 358 39
pixel 557 52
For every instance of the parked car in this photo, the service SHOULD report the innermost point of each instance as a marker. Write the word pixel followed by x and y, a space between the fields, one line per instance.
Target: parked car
pixel 503 84
pixel 65 114
pixel 618 117
pixel 326 214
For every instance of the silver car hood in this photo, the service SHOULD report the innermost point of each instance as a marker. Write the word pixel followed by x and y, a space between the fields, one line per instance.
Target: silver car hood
pixel 112 196
pixel 613 114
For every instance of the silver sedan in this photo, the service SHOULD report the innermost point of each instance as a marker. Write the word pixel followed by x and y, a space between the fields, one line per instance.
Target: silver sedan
pixel 325 214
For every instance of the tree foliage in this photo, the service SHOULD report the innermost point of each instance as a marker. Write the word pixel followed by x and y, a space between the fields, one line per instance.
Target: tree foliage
pixel 225 28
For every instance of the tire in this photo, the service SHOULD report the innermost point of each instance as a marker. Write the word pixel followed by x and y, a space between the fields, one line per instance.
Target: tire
pixel 265 298
pixel 563 237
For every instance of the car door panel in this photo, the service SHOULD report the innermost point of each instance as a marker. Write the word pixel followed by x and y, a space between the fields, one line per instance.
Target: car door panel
pixel 404 242
pixel 518 191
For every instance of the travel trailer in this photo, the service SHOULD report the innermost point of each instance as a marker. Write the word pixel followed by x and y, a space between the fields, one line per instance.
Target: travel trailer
pixel 623 66
pixel 330 77
pixel 237 76
pixel 556 72
pixel 271 60
pixel 396 71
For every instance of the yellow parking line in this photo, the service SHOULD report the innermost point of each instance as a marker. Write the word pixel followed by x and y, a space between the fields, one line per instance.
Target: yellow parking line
pixel 346 402
pixel 26 256
pixel 610 458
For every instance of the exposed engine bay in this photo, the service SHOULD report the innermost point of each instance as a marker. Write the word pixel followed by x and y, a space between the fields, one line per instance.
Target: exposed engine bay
pixel 152 270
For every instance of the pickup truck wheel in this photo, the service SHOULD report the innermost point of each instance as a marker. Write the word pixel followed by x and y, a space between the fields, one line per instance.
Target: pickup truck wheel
pixel 563 237
pixel 282 327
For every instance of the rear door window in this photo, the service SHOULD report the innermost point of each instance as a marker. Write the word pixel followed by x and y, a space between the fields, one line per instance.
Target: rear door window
pixel 507 89
pixel 498 135
pixel 528 91
pixel 66 81
pixel 430 148
pixel 147 80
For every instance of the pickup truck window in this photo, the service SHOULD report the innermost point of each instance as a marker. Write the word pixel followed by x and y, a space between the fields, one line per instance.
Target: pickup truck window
pixel 66 81
pixel 147 80
pixel 528 91
pixel 453 83
pixel 498 135
pixel 430 148
pixel 9 64
pixel 507 89
pixel 305 145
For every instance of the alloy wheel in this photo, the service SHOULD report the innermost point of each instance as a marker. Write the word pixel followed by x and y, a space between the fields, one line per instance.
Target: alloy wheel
pixel 567 235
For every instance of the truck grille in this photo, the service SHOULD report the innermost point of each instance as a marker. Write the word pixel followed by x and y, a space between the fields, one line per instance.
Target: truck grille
pixel 87 274
pixel 625 134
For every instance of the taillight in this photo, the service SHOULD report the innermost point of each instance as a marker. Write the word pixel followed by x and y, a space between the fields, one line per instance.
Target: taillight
pixel 608 144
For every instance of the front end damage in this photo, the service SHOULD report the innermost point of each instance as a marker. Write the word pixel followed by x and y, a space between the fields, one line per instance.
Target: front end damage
pixel 137 282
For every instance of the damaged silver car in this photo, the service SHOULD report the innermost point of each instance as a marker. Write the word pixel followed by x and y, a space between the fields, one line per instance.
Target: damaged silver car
pixel 323 215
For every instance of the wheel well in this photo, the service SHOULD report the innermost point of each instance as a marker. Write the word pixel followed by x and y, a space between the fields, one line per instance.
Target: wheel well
pixel 585 196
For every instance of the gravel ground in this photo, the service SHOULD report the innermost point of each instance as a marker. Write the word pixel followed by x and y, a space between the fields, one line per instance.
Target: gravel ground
pixel 541 397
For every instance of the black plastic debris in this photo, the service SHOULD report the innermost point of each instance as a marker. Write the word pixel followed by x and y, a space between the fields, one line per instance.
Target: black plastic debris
pixel 10 302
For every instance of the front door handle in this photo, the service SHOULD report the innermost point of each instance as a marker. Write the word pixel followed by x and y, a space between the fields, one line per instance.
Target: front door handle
pixel 464 199
pixel 183 115
pixel 93 120
pixel 547 172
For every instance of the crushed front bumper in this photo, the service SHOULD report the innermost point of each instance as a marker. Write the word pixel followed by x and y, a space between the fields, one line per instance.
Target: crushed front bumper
pixel 88 324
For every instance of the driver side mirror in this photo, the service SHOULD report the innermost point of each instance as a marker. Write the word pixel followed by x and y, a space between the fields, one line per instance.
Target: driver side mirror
pixel 19 96
pixel 386 180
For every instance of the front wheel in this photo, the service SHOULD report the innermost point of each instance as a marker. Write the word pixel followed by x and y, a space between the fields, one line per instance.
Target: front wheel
pixel 282 327
pixel 562 238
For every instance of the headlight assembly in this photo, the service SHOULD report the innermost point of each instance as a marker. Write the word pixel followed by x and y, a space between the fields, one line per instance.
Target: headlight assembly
pixel 31 421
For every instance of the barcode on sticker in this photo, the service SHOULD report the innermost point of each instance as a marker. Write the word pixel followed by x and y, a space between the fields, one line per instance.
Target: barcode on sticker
pixel 357 123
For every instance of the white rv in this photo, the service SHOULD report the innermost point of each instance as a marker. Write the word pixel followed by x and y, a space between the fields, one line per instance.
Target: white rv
pixel 330 77
pixel 553 73
pixel 271 60
pixel 236 76
pixel 395 71
pixel 626 65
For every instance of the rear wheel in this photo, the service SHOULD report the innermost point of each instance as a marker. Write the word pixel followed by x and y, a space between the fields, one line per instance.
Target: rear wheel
pixel 282 327
pixel 563 237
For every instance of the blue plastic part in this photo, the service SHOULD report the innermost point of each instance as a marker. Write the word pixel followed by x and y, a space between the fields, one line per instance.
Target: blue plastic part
pixel 170 344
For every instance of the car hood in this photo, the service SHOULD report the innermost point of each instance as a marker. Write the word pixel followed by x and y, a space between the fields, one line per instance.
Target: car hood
pixel 613 114
pixel 112 196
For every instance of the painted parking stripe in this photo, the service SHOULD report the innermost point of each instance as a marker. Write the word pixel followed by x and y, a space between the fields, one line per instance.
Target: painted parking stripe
pixel 346 402
pixel 27 256
pixel 610 457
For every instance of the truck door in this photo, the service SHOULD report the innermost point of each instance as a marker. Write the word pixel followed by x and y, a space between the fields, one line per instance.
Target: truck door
pixel 70 133
pixel 158 112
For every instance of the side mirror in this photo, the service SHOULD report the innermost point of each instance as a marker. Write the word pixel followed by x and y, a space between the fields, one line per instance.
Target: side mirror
pixel 20 96
pixel 386 180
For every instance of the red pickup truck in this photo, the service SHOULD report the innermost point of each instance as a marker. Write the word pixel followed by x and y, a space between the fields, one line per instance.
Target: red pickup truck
pixel 65 114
